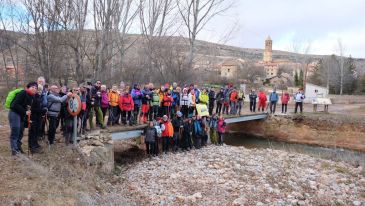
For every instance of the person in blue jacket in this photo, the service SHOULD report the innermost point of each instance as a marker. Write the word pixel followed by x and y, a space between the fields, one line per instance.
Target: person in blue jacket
pixel 273 98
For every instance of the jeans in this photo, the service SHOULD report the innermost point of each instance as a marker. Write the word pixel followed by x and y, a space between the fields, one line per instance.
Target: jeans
pixel 284 108
pixel 16 123
pixel 211 107
pixel 220 138
pixel 165 144
pixel 218 110
pixel 113 115
pixel 233 107
pixel 239 106
pixel 225 109
pixel 52 129
pixel 272 107
pixel 300 105
pixel 252 106
pixel 150 148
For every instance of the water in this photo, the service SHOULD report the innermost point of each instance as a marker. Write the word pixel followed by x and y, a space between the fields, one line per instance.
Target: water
pixel 337 154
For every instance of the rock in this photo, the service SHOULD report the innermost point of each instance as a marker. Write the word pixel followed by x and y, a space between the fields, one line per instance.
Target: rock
pixel 96 143
pixel 241 201
pixel 356 203
pixel 301 202
pixel 198 195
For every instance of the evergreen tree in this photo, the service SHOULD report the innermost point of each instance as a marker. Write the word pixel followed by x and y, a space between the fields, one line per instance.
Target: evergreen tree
pixel 301 78
pixel 296 79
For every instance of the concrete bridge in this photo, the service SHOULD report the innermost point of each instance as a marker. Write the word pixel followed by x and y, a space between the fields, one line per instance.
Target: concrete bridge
pixel 133 132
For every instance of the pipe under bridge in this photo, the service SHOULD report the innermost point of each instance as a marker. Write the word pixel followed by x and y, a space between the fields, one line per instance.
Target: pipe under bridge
pixel 133 132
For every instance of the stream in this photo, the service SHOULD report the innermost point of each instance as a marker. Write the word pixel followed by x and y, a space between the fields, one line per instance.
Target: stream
pixel 336 154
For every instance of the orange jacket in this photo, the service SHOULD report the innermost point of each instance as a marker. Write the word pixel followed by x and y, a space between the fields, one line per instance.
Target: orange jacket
pixel 113 98
pixel 169 129
pixel 233 97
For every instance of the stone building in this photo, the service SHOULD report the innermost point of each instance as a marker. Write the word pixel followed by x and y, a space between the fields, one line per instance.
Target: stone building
pixel 230 67
pixel 268 50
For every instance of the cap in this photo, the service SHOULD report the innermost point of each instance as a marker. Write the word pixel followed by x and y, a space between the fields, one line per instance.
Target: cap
pixel 164 118
pixel 179 114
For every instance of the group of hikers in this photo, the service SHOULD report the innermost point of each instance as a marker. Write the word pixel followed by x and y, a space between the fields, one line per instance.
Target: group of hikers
pixel 177 117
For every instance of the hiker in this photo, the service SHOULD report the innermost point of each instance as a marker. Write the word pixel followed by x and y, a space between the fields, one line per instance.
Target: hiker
pixel 137 99
pixel 262 101
pixel 192 103
pixel 204 98
pixel 167 103
pixel 211 96
pixel 220 98
pixel 20 105
pixel 63 112
pixel 205 130
pixel 54 107
pixel 37 111
pixel 177 124
pixel 42 81
pixel 253 97
pixel 150 134
pixel 155 103
pixel 85 108
pixel 95 106
pixel 226 96
pixel 175 100
pixel 233 98
pixel 167 134
pixel 299 97
pixel 213 129
pixel 184 103
pixel 273 98
pixel 197 132
pixel 104 101
pixel 240 102
pixel 284 102
pixel 126 105
pixel 187 135
pixel 221 128
pixel 159 128
pixel 146 98
pixel 114 111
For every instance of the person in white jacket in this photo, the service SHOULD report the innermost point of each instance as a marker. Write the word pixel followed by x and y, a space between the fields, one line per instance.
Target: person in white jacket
pixel 192 103
pixel 299 98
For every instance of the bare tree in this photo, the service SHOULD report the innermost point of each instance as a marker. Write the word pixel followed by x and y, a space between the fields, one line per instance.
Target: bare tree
pixel 341 62
pixel 195 15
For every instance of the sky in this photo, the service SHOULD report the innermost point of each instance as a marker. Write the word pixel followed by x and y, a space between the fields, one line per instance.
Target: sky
pixel 293 26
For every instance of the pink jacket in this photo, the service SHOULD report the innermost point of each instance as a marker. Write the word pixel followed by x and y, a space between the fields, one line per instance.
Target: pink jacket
pixel 221 126
pixel 104 99
pixel 285 98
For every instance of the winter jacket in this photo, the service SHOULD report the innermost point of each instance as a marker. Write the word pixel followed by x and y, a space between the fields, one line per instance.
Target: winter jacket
pixel 299 97
pixel 213 123
pixel 241 96
pixel 126 103
pixel 150 134
pixel 253 97
pixel 188 130
pixel 146 96
pixel 113 98
pixel 262 97
pixel 197 128
pixel 192 100
pixel 94 94
pixel 285 98
pixel 197 95
pixel 137 96
pixel 204 98
pixel 177 123
pixel 211 96
pixel 167 100
pixel 104 99
pixel 220 97
pixel 221 126
pixel 54 103
pixel 176 99
pixel 274 97
pixel 169 130
pixel 37 109
pixel 184 100
pixel 20 103
pixel 233 96
pixel 155 100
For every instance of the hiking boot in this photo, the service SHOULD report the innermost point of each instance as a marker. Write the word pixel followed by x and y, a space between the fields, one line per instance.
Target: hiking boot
pixel 21 150
pixel 36 151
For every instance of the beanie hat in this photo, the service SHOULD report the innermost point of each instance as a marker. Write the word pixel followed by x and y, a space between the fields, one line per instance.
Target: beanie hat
pixel 32 84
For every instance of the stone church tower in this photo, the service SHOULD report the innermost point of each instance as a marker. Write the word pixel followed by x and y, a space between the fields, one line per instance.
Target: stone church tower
pixel 268 50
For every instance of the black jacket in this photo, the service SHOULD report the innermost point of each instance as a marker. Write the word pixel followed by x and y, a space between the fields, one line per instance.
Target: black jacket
pixel 37 108
pixel 20 103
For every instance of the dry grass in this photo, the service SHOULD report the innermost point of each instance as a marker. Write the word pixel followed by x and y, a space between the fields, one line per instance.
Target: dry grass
pixel 3 117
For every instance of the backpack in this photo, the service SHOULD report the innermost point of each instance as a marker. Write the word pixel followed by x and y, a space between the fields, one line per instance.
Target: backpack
pixel 11 96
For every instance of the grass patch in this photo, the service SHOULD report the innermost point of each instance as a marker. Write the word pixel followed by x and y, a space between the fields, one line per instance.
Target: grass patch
pixel 326 165
pixel 363 173
pixel 342 170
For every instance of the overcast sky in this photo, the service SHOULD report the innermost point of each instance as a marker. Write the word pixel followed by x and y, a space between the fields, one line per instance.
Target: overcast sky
pixel 320 23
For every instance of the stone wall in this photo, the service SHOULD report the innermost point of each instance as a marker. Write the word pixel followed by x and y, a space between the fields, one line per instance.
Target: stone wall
pixel 98 149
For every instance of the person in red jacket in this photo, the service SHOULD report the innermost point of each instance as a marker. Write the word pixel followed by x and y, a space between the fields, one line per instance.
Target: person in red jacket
pixel 126 105
pixel 167 133
pixel 262 100
pixel 284 102
pixel 167 103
